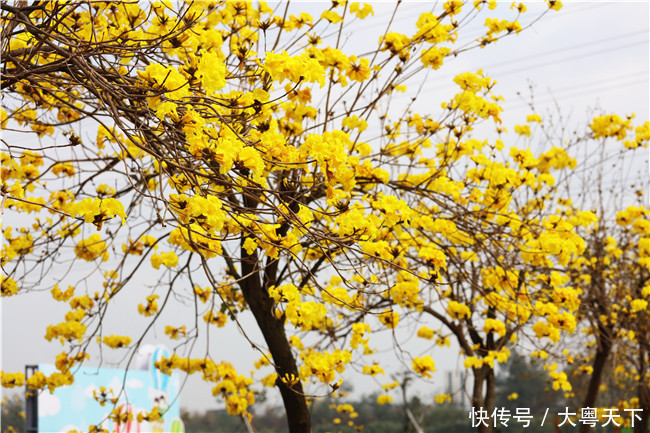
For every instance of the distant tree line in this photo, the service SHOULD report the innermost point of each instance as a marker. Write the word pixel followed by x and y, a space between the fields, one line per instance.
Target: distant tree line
pixel 520 376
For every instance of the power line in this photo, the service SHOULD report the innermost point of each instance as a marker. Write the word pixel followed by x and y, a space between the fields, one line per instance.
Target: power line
pixel 596 83
pixel 570 48
pixel 448 79
pixel 608 79
pixel 550 97
pixel 568 59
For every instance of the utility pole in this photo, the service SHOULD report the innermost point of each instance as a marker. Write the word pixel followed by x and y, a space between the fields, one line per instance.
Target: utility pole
pixel 31 402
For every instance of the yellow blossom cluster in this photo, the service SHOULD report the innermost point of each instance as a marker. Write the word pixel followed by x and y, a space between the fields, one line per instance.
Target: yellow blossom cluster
pixel 323 365
pixel 116 341
pixel 424 366
pixel 92 248
pixel 229 385
pixel 168 259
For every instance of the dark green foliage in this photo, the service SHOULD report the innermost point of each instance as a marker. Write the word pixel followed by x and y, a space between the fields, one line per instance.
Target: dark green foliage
pixel 13 415
pixel 373 417
pixel 528 379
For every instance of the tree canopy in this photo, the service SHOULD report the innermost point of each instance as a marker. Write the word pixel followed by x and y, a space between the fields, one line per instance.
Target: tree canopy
pixel 240 158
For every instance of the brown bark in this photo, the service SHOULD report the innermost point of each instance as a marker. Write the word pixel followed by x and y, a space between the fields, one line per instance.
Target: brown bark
pixel 490 391
pixel 643 391
pixel 484 396
pixel 643 425
pixel 272 328
pixel 600 361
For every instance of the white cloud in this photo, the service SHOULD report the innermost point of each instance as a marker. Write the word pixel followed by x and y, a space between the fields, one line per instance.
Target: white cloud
pixel 134 383
pixel 115 385
pixel 113 389
pixel 48 405
pixel 88 391
pixel 70 427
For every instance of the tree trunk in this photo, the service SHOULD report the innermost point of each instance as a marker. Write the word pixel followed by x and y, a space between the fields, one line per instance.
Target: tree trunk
pixel 600 360
pixel 643 392
pixel 643 425
pixel 272 328
pixel 484 399
pixel 490 391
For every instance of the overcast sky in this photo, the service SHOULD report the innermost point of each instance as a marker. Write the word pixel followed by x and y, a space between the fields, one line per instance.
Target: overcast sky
pixel 589 55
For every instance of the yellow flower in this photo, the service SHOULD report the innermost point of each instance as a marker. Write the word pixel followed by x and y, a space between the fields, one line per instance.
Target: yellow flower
pixel 554 4
pixel 519 7
pixel 425 332
pixel 37 381
pixel 453 7
pixel 82 302
pixel 270 380
pixel 3 119
pixel 58 295
pixel 150 308
pixel 285 293
pixel 295 341
pixel 397 44
pixel 8 286
pixel 217 318
pixel 203 294
pixel 302 68
pixel 434 56
pixel 610 125
pixel 473 362
pixel 442 398
pixel 361 12
pixel 212 72
pixel 65 168
pixel 169 259
pixel 10 380
pixel 496 26
pixel 523 130
pixel 174 332
pixel 424 366
pixel 394 384
pixel 331 16
pixel 250 158
pixel 166 78
pixel 105 191
pixel 290 379
pixel 534 118
pixel 152 416
pixel 544 329
pixel 358 71
pixel 352 122
pixel 96 210
pixel 306 315
pixel 384 399
pixel 458 311
pixel 638 305
pixel 91 248
pixel 496 326
pixel 389 318
pixel 116 341
pixel 69 330
pixel 372 370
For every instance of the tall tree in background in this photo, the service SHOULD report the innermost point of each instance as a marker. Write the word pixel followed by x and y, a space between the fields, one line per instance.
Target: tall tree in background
pixel 12 414
pixel 478 255
pixel 613 275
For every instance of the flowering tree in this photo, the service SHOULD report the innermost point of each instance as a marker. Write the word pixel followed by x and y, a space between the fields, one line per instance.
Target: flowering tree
pixel 479 258
pixel 612 275
pixel 214 168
